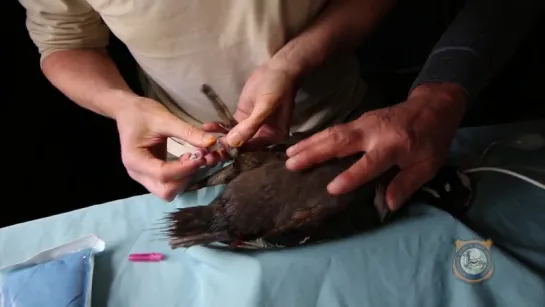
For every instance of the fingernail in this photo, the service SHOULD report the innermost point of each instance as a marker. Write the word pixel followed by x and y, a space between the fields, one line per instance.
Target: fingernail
pixel 291 163
pixel 335 186
pixel 234 139
pixel 209 139
pixel 196 155
pixel 395 203
pixel 289 151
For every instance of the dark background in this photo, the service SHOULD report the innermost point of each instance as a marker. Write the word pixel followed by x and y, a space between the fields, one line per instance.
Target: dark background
pixel 59 157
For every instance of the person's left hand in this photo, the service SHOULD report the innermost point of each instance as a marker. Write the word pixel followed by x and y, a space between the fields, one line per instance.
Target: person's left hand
pixel 415 135
pixel 264 108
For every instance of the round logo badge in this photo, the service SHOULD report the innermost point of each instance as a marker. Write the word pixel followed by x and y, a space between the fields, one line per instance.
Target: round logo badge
pixel 473 260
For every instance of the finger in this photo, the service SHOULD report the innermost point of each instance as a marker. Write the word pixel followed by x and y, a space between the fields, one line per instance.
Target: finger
pixel 224 151
pixel 184 157
pixel 197 155
pixel 371 165
pixel 213 158
pixel 170 125
pixel 143 162
pixel 406 182
pixel 214 127
pixel 174 170
pixel 309 142
pixel 319 153
pixel 222 155
pixel 166 192
pixel 340 134
pixel 242 113
pixel 248 127
pixel 264 137
pixel 276 126
pixel 338 141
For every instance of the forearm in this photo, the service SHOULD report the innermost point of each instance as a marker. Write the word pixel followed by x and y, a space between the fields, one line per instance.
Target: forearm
pixel 89 78
pixel 339 28
pixel 484 35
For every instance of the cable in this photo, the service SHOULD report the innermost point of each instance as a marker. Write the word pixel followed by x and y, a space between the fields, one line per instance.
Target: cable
pixel 508 172
pixel 525 142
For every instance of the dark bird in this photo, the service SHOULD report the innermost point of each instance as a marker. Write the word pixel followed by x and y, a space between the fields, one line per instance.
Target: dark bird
pixel 265 205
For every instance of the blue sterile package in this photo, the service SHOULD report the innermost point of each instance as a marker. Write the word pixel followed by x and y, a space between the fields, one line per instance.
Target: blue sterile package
pixel 61 276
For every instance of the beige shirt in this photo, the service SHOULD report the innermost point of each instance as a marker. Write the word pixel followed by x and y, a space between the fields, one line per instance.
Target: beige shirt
pixel 181 44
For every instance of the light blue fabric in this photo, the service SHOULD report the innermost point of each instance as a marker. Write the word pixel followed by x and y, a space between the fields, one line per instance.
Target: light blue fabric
pixel 61 282
pixel 408 263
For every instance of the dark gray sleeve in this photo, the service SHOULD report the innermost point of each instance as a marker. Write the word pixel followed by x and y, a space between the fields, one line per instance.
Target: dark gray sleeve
pixel 482 37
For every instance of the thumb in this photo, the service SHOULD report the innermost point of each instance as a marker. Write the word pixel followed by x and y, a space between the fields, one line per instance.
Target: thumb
pixel 406 182
pixel 174 127
pixel 248 127
pixel 214 127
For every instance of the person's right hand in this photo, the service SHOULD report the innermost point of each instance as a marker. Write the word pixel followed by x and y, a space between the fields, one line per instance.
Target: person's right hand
pixel 144 126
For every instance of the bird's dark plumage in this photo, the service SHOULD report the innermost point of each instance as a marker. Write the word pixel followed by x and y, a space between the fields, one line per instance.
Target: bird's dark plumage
pixel 264 200
pixel 265 205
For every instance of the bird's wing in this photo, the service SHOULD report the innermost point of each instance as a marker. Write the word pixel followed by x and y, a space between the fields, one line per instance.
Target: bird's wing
pixel 303 218
pixel 243 162
pixel 223 176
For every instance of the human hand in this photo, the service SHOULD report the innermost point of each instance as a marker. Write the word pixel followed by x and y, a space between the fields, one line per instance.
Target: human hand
pixel 415 135
pixel 264 108
pixel 143 129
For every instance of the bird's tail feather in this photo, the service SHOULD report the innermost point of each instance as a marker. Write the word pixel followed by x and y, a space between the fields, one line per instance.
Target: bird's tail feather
pixel 201 239
pixel 193 226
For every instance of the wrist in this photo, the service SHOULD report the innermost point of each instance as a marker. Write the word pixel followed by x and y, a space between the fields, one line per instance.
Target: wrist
pixel 303 53
pixel 113 102
pixel 292 68
pixel 446 94
pixel 443 102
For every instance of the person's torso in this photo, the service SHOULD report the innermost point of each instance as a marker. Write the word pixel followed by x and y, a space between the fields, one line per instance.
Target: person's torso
pixel 181 44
